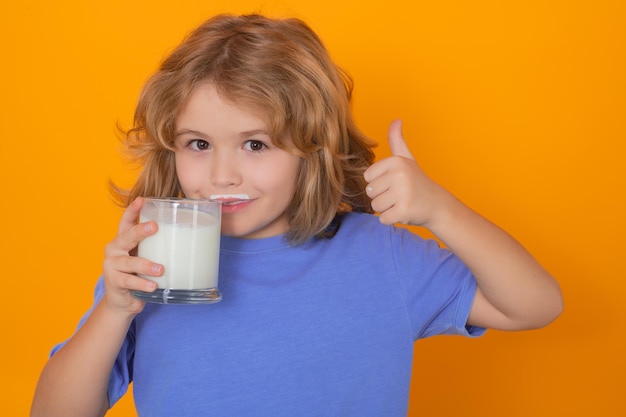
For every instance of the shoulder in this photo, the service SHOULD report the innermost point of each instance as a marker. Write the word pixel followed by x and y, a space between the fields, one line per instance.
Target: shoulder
pixel 359 228
pixel 363 233
pixel 360 223
pixel 368 227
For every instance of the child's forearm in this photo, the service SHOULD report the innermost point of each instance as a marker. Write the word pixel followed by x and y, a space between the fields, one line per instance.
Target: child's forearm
pixel 74 381
pixel 514 291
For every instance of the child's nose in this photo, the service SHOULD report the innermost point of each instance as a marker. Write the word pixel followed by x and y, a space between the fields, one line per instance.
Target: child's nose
pixel 224 171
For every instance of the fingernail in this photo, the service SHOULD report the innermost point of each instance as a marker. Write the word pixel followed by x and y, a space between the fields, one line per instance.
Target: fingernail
pixel 148 227
pixel 156 268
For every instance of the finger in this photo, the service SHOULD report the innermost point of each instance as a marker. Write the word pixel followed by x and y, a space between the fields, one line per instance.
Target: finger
pixel 133 282
pixel 397 144
pixel 379 169
pixel 130 215
pixel 128 240
pixel 398 147
pixel 378 186
pixel 388 217
pixel 383 202
pixel 133 265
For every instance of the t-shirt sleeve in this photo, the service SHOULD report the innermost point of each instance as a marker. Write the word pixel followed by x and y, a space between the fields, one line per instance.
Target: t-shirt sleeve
pixel 121 374
pixel 439 289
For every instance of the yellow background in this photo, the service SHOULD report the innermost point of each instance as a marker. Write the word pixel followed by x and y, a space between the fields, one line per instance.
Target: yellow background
pixel 517 107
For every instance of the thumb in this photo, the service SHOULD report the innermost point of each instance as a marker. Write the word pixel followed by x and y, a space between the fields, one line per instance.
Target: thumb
pixel 397 144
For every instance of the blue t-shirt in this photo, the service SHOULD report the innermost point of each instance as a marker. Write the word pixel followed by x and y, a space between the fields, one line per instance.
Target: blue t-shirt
pixel 322 329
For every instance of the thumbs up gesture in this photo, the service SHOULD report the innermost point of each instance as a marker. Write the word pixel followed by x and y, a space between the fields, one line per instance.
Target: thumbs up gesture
pixel 400 191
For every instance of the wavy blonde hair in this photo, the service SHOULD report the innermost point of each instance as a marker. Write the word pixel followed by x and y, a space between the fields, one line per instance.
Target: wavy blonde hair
pixel 278 66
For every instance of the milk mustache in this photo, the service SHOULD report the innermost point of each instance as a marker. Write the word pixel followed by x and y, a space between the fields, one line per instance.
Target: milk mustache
pixel 188 250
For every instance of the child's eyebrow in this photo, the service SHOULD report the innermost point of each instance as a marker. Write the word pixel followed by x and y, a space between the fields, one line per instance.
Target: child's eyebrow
pixel 190 132
pixel 254 132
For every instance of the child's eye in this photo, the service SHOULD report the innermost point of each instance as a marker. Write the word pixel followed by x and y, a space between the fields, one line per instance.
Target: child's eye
pixel 199 145
pixel 255 146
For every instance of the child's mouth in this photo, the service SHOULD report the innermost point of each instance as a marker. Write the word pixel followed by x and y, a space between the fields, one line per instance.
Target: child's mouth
pixel 232 202
pixel 230 199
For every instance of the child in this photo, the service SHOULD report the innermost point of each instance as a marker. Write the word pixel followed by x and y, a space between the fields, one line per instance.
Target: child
pixel 322 300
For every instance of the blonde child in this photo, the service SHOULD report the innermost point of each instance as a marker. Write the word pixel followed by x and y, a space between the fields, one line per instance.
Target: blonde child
pixel 323 299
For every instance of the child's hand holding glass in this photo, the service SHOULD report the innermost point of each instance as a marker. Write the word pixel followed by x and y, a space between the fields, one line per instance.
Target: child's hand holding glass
pixel 120 268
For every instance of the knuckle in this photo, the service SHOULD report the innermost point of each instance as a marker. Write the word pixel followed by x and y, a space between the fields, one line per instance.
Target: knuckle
pixel 106 264
pixel 384 219
pixel 109 249
pixel 127 281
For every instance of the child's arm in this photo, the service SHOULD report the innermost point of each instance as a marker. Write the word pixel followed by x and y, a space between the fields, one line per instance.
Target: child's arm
pixel 514 291
pixel 74 381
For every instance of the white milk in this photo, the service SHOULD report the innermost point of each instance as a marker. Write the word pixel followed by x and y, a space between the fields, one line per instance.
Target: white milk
pixel 189 253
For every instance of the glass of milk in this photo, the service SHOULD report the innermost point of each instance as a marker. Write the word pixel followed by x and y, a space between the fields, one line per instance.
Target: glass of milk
pixel 187 244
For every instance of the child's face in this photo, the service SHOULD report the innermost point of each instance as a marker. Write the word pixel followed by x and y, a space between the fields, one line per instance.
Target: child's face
pixel 224 152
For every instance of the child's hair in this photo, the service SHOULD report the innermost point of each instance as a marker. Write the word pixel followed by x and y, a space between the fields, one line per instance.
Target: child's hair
pixel 277 66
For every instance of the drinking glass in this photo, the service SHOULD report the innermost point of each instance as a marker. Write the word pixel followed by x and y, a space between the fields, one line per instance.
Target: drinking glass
pixel 187 244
